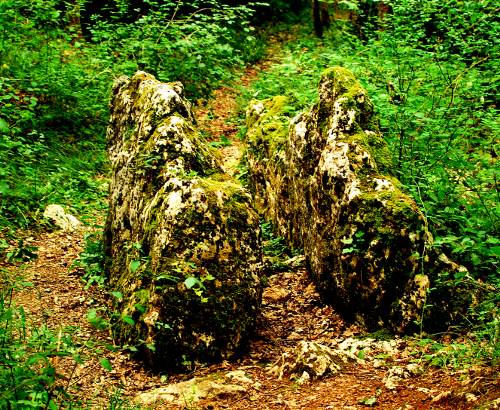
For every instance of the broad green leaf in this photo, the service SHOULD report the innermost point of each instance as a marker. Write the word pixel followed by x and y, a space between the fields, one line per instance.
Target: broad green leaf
pixel 105 364
pixel 77 358
pixel 128 320
pixel 117 295
pixel 191 281
pixel 134 265
pixel 4 126
pixel 52 405
pixel 171 278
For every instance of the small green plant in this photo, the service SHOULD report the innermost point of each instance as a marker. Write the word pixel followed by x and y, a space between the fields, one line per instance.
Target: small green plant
pixel 223 142
pixel 273 245
pixel 276 251
pixel 197 285
pixel 372 400
pixel 194 276
pixel 27 374
pixel 19 252
pixel 355 242
pixel 91 261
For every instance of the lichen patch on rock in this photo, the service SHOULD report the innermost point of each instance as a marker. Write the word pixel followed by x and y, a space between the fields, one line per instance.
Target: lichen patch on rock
pixel 324 180
pixel 182 239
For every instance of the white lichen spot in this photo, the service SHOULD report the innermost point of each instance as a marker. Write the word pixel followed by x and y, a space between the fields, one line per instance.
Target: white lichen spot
pixel 335 119
pixel 151 318
pixel 335 162
pixel 331 136
pixel 351 115
pixel 354 190
pixel 198 196
pixel 341 120
pixel 165 92
pixel 176 121
pixel 383 185
pixel 255 108
pixel 301 129
pixel 174 204
pixel 361 97
pixel 220 197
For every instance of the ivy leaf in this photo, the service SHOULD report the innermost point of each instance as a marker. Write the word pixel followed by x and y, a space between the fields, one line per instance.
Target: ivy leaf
pixel 134 265
pixel 128 320
pixel 191 281
pixel 105 364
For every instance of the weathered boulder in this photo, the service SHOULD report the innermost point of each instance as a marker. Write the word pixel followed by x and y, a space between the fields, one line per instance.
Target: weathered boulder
pixel 266 141
pixel 214 386
pixel 324 181
pixel 56 214
pixel 181 238
pixel 311 360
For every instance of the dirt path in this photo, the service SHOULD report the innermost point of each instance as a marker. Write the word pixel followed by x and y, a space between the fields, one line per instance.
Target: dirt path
pixel 292 313
pixel 217 118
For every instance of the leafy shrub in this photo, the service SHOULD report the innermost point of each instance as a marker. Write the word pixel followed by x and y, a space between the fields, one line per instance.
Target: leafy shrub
pixel 27 375
pixel 55 85
pixel 438 120
pixel 198 48
pixel 50 134
pixel 466 29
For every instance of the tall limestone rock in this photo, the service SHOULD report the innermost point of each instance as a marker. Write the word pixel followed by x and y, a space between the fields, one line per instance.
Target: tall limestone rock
pixel 181 238
pixel 323 178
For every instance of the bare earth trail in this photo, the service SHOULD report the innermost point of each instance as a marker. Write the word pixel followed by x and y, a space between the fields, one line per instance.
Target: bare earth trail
pixel 291 312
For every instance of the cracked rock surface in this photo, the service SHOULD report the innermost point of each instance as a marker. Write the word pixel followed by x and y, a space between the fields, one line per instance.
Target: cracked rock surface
pixel 324 179
pixel 182 240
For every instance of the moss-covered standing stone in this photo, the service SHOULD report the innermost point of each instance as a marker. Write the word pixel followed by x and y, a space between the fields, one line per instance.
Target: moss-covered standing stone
pixel 182 240
pixel 364 239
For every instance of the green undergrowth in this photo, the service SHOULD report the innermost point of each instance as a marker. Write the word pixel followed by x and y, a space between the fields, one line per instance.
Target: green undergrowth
pixel 276 251
pixel 433 86
pixel 32 354
pixel 38 363
pixel 54 93
pixel 55 84
pixel 461 352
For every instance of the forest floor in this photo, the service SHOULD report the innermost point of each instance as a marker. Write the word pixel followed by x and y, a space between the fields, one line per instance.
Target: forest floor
pixel 386 374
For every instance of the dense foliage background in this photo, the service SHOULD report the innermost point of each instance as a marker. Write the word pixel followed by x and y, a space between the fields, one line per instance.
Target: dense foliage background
pixel 431 69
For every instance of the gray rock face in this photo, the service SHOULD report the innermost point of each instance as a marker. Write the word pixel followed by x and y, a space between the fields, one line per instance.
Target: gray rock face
pixel 182 239
pixel 324 181
pixel 56 214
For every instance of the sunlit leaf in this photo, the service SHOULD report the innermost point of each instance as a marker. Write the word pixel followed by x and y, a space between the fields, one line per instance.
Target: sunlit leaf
pixel 105 364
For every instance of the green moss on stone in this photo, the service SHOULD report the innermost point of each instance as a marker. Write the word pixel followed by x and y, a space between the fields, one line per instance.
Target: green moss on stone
pixel 270 132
